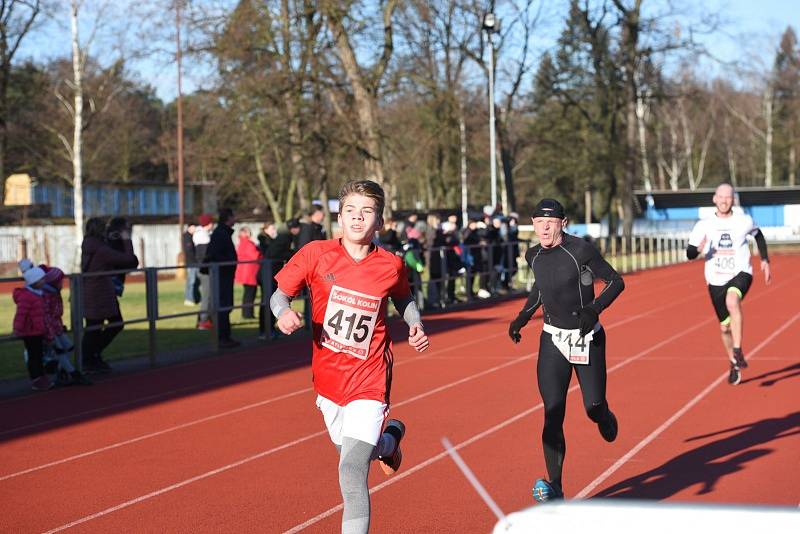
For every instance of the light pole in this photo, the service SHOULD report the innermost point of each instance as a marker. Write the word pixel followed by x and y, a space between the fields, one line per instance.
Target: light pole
pixel 490 26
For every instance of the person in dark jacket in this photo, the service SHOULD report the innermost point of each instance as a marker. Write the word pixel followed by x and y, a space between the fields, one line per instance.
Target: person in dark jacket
pixel 100 304
pixel 313 229
pixel 115 229
pixel 191 291
pixel 221 249
pixel 200 240
pixel 277 250
pixel 388 237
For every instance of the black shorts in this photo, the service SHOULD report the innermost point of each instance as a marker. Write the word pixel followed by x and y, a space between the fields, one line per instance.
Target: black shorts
pixel 739 283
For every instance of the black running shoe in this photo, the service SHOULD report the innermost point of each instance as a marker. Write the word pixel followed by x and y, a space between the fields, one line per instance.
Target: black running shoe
pixel 609 427
pixel 735 375
pixel 741 363
pixel 390 464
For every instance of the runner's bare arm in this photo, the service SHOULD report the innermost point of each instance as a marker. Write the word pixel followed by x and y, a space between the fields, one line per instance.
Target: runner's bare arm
pixel 288 319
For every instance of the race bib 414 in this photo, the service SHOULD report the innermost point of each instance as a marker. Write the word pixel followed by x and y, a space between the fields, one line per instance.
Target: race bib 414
pixel 570 343
pixel 350 319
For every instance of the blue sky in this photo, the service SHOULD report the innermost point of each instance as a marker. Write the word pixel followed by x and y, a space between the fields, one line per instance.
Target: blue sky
pixel 751 29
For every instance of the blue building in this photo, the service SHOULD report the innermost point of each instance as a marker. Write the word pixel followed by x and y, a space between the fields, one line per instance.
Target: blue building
pixel 99 199
pixel 776 210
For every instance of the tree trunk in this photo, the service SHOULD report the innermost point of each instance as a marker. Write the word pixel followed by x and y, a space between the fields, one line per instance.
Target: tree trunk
pixel 295 156
pixel 768 100
pixel 6 73
pixel 507 159
pixel 364 99
pixel 269 196
pixel 792 164
pixel 77 140
pixel 641 115
pixel 629 177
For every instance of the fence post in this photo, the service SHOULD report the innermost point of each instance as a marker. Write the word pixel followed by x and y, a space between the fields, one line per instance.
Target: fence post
pixel 213 306
pixel 151 299
pixel 659 251
pixel 76 318
pixel 613 239
pixel 267 320
pixel 634 252
pixel 469 280
pixel 624 254
pixel 510 265
pixel 445 278
pixel 491 272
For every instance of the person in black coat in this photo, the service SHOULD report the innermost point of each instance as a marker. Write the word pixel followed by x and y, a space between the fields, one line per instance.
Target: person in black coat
pixel 221 249
pixel 191 291
pixel 278 249
pixel 313 229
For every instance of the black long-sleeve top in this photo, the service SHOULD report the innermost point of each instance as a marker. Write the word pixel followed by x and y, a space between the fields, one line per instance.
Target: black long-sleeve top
pixel 565 282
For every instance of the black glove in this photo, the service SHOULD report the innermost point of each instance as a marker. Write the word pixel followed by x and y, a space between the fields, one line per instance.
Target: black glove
pixel 514 328
pixel 587 318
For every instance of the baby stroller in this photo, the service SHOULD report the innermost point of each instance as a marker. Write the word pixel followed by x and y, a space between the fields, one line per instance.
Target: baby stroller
pixel 56 362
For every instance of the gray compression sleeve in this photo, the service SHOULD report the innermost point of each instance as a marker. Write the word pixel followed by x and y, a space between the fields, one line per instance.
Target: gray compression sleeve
pixel 408 309
pixel 353 471
pixel 279 302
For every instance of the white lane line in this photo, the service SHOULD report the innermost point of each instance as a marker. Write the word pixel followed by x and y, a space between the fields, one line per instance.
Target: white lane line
pixel 510 361
pixel 148 398
pixel 154 434
pixel 677 415
pixel 418 466
pixel 223 414
pixel 185 482
pixel 316 434
pixel 265 453
pixel 400 476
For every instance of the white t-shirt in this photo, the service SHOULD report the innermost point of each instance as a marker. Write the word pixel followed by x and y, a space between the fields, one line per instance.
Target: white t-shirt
pixel 726 250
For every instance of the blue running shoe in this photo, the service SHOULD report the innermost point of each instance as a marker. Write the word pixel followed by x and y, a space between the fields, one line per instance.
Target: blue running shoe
pixel 544 491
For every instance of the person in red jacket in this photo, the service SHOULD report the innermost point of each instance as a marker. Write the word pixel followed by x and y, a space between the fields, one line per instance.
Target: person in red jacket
pixel 29 325
pixel 247 273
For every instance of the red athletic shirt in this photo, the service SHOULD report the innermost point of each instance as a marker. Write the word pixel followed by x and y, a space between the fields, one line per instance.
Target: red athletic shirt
pixel 352 352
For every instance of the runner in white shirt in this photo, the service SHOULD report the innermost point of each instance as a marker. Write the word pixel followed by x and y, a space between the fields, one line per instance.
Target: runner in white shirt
pixel 722 239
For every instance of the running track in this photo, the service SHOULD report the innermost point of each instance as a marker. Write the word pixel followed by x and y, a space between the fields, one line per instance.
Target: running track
pixel 235 444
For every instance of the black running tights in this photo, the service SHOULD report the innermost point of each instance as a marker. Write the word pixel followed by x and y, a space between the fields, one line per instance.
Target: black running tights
pixel 553 374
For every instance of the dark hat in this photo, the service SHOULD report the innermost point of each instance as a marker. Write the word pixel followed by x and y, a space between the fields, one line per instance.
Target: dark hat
pixel 548 207
pixel 292 223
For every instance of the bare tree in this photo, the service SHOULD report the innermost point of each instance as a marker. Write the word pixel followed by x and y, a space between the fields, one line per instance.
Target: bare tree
pixel 763 133
pixel 364 83
pixel 16 20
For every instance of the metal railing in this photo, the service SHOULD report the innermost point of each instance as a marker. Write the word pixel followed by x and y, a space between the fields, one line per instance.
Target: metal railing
pixel 503 270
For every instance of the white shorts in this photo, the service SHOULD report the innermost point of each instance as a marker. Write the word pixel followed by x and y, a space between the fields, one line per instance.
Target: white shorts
pixel 360 419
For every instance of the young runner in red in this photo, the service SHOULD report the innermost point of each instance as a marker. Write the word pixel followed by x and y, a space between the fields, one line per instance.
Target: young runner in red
pixel 350 282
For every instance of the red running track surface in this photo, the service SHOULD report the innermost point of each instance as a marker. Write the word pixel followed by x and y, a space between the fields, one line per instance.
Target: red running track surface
pixel 235 443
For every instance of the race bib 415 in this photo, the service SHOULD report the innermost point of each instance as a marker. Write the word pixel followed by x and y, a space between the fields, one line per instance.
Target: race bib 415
pixel 350 319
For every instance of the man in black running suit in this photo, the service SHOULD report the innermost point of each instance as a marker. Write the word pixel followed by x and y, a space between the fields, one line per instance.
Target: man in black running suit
pixel 564 267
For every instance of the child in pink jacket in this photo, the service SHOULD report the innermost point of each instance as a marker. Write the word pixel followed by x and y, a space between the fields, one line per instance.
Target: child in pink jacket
pixel 58 342
pixel 29 325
